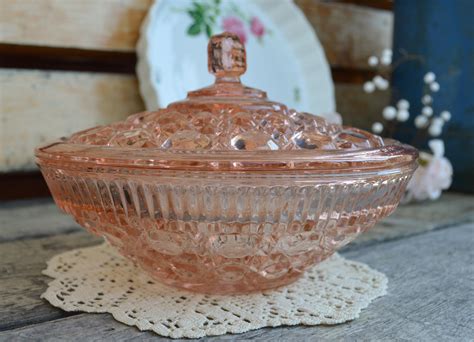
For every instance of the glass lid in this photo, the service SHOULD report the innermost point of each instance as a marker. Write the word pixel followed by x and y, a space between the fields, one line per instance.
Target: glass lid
pixel 228 125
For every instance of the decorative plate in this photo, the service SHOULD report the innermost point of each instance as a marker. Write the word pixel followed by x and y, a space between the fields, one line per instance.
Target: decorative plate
pixel 287 60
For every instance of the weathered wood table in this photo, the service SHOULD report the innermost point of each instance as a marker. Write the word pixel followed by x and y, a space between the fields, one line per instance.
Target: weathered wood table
pixel 426 250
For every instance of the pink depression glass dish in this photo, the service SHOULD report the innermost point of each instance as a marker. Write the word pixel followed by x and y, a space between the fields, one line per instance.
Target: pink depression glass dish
pixel 226 191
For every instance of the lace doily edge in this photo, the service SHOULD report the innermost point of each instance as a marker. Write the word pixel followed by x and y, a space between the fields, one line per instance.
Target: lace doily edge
pixel 50 296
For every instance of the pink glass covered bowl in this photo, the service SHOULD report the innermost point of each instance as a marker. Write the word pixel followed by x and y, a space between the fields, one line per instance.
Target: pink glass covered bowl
pixel 226 191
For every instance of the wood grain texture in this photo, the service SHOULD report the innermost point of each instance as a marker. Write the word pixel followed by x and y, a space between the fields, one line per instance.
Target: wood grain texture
pixel 380 4
pixel 417 218
pixel 33 219
pixel 39 106
pixel 21 280
pixel 430 298
pixel 39 218
pixel 358 108
pixel 23 184
pixel 348 33
pixel 70 59
pixel 33 231
pixel 87 24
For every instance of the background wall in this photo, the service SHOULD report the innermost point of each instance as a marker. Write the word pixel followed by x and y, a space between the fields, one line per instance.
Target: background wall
pixel 441 32
pixel 66 65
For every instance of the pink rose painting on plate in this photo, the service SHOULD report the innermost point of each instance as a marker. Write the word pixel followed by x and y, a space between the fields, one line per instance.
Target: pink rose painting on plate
pixel 256 27
pixel 211 16
pixel 235 25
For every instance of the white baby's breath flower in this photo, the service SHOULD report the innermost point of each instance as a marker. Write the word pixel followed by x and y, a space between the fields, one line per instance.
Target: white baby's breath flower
pixel 434 87
pixel 435 130
pixel 387 52
pixel 389 113
pixel 403 104
pixel 386 59
pixel 427 111
pixel 377 128
pixel 373 61
pixel 429 77
pixel 377 79
pixel 426 99
pixel 380 82
pixel 437 147
pixel 445 115
pixel 438 122
pixel 384 85
pixel 421 121
pixel 369 87
pixel 403 115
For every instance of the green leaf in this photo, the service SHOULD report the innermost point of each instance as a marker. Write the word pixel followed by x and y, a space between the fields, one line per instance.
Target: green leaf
pixel 199 7
pixel 208 30
pixel 423 162
pixel 194 29
pixel 197 16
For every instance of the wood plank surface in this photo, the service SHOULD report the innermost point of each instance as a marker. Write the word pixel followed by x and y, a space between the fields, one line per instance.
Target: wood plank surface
pixel 358 108
pixel 22 184
pixel 71 59
pixel 348 33
pixel 39 106
pixel 33 219
pixel 59 103
pixel 33 231
pixel 87 24
pixel 430 298
pixel 39 218
pixel 417 218
pixel 21 281
pixel 380 4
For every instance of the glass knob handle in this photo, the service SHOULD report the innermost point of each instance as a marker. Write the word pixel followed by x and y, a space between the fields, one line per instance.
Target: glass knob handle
pixel 226 56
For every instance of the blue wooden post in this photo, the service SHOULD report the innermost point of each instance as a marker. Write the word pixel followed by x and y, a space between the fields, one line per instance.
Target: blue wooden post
pixel 442 33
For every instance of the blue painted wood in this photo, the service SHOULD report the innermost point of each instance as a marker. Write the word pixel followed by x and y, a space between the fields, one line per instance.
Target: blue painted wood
pixel 441 32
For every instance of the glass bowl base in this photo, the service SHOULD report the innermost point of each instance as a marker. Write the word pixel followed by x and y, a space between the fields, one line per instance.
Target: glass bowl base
pixel 221 288
pixel 212 273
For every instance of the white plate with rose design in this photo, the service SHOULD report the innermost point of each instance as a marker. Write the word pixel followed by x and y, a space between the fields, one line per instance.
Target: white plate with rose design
pixel 284 56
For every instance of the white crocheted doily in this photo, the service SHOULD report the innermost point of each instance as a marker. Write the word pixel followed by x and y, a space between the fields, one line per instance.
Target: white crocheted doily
pixel 97 279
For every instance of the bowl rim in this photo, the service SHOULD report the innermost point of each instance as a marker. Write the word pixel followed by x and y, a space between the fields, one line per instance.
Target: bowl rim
pixel 394 155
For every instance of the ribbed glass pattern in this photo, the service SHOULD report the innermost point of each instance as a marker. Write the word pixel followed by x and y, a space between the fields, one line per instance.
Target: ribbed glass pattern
pixel 220 235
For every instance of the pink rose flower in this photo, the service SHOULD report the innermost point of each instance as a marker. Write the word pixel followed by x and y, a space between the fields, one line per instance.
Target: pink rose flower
pixel 257 27
pixel 236 26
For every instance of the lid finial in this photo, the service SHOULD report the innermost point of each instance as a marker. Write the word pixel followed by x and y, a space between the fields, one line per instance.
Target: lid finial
pixel 226 55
